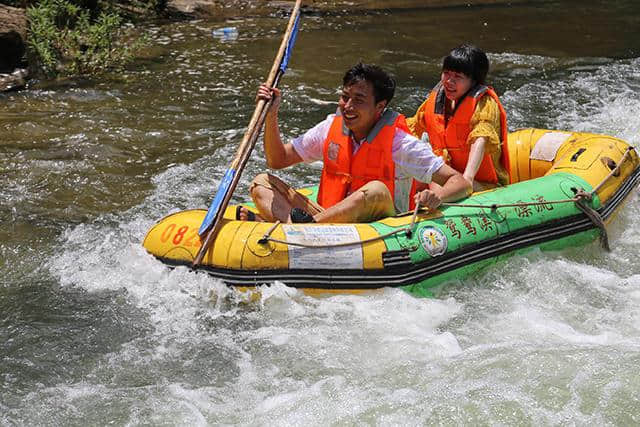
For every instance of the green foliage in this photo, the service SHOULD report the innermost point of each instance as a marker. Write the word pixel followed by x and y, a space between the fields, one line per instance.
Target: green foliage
pixel 78 37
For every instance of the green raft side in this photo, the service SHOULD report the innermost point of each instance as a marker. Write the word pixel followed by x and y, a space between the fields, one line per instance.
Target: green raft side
pixel 465 226
pixel 425 288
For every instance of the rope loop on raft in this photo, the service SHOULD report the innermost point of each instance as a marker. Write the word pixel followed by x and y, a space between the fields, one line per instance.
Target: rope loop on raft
pixel 582 200
pixel 594 216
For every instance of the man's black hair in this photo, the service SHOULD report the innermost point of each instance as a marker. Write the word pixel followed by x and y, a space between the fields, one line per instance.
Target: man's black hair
pixel 468 60
pixel 384 86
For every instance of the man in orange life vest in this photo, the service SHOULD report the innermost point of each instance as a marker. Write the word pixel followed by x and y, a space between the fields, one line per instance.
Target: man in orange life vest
pixel 370 160
pixel 465 121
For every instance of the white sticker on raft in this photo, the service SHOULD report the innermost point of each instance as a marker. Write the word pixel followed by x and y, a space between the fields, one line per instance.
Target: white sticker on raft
pixel 548 145
pixel 433 241
pixel 345 257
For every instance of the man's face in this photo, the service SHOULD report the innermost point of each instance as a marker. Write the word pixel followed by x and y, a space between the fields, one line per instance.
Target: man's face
pixel 360 112
pixel 455 84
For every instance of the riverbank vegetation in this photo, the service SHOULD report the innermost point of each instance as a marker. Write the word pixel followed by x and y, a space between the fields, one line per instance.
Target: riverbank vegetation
pixel 84 37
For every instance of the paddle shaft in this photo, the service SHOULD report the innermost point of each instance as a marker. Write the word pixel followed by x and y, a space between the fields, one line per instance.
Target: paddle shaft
pixel 241 162
pixel 250 137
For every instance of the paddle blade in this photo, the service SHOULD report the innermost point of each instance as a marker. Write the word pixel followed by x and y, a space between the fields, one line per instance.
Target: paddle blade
pixel 224 187
pixel 292 41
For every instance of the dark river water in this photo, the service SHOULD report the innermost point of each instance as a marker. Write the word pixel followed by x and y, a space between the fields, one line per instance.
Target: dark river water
pixel 94 331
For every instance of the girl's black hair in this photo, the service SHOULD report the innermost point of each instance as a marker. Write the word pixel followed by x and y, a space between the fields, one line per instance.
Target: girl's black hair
pixel 384 86
pixel 468 60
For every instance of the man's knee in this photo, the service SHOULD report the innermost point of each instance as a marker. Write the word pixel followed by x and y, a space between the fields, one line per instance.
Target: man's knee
pixel 261 180
pixel 376 192
pixel 377 201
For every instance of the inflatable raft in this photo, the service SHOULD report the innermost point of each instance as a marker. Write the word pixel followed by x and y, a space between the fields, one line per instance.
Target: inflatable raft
pixel 566 187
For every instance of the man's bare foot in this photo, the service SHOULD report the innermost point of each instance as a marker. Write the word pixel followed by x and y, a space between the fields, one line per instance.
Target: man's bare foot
pixel 244 214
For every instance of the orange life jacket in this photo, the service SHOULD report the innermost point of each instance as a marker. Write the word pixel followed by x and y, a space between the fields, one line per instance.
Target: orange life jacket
pixel 452 134
pixel 343 172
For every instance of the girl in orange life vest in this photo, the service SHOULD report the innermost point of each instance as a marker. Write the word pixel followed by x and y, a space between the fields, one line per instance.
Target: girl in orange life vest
pixel 465 121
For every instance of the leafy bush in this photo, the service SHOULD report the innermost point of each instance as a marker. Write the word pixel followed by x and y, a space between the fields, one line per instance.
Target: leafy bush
pixel 79 37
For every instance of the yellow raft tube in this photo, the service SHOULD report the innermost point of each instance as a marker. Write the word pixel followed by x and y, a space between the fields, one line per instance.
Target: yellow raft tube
pixel 551 171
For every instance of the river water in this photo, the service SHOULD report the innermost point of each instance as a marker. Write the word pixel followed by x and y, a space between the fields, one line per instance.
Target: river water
pixel 94 331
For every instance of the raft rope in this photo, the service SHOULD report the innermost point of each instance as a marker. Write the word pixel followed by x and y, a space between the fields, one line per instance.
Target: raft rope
pixel 580 199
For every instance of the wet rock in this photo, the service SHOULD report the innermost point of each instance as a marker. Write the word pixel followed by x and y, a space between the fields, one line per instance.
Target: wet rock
pixel 15 80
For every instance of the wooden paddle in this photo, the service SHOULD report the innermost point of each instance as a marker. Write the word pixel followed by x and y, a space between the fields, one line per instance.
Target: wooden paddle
pixel 213 220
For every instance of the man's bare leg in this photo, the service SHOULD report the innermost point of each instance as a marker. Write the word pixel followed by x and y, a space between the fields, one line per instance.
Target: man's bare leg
pixel 275 199
pixel 370 202
pixel 272 205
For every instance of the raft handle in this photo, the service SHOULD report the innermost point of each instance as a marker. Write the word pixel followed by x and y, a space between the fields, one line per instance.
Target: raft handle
pixel 612 165
pixel 577 154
